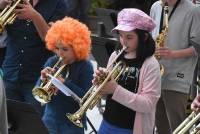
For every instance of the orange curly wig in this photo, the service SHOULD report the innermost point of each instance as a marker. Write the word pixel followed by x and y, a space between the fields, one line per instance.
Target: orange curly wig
pixel 70 32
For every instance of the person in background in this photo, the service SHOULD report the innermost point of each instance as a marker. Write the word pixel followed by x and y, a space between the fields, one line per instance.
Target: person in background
pixel 179 58
pixel 26 52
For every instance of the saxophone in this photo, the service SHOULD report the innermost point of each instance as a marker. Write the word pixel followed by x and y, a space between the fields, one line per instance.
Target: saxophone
pixel 160 40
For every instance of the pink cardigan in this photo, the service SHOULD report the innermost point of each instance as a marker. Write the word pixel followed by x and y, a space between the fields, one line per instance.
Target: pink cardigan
pixel 145 100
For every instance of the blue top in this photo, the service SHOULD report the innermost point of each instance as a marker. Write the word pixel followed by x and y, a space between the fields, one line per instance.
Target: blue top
pixel 26 52
pixel 79 81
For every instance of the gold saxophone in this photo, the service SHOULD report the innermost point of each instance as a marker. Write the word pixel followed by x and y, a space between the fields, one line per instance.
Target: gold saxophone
pixel 160 40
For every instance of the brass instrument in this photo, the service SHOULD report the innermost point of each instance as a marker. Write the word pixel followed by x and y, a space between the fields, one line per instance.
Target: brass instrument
pixel 196 129
pixel 189 123
pixel 7 16
pixel 160 40
pixel 92 97
pixel 43 93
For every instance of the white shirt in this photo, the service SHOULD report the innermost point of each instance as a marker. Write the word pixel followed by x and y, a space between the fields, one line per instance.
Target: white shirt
pixel 155 13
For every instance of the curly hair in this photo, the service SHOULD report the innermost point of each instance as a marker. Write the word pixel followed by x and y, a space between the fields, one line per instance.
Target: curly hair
pixel 70 32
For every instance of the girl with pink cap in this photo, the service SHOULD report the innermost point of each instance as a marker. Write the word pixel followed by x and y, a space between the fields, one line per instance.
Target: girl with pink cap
pixel 131 101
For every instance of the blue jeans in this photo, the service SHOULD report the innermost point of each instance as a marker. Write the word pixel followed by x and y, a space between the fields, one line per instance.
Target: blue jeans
pixel 107 128
pixel 22 92
pixel 61 128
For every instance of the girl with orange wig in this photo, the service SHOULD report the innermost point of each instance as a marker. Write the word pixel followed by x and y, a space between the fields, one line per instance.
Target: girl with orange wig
pixel 70 40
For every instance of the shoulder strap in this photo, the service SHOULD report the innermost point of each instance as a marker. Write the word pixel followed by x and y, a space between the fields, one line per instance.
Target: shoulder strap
pixel 162 15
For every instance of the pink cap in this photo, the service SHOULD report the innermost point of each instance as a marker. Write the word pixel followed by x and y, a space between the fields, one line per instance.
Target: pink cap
pixel 130 19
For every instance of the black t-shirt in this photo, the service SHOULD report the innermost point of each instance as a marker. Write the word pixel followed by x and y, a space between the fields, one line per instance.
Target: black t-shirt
pixel 115 113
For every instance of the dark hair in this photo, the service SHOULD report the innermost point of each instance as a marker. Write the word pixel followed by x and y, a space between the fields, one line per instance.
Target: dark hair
pixel 146 45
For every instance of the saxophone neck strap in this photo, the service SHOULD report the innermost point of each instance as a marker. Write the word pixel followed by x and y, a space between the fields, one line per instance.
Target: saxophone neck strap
pixel 162 14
